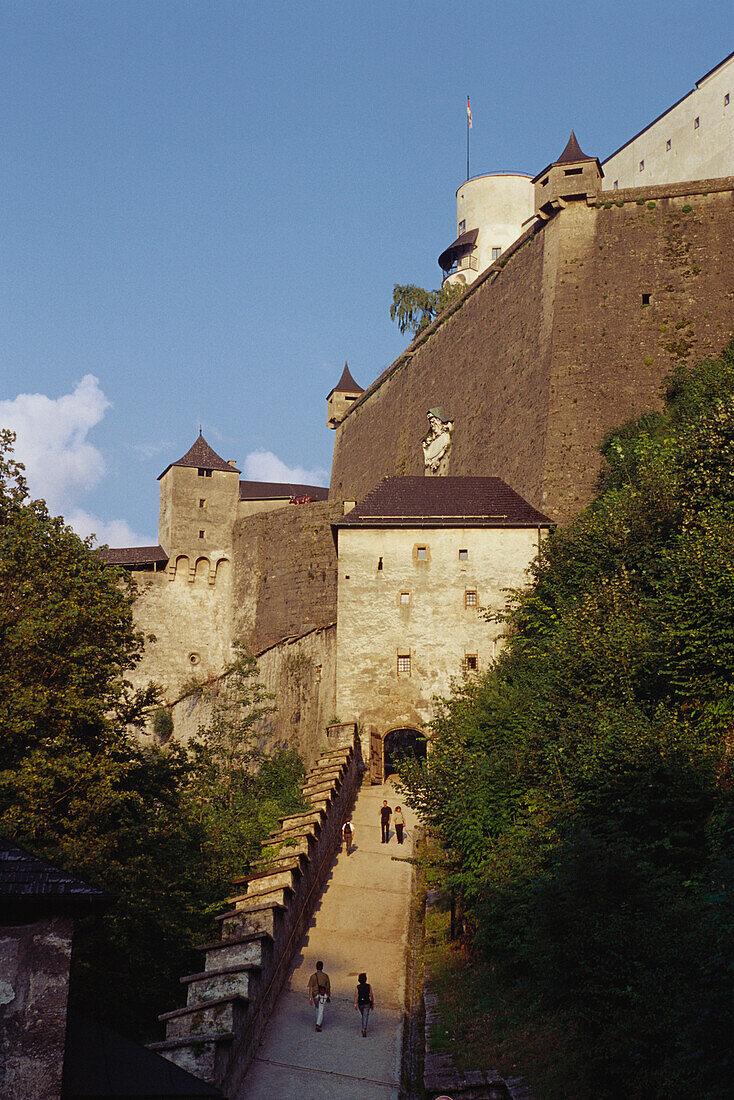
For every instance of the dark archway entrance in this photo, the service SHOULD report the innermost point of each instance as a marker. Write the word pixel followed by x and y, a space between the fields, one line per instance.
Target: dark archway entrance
pixel 403 742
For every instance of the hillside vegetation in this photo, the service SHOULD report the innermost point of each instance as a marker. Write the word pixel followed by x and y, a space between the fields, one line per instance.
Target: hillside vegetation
pixel 580 791
pixel 161 829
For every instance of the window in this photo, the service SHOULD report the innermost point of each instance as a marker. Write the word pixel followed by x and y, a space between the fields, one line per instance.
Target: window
pixel 470 597
pixel 615 185
pixel 696 122
pixel 463 555
pixel 496 253
pixel 204 473
pixel 642 166
pixel 726 100
pixel 379 565
pixel 201 534
pixel 422 553
pixel 646 299
pixel 405 597
pixel 573 171
pixel 403 664
pixel 543 182
pixel 202 502
pixel 668 144
pixel 462 227
pixel 471 662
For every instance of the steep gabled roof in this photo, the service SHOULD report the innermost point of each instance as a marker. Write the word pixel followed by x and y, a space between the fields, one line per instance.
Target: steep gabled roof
pixel 346 384
pixel 444 502
pixel 203 457
pixel 31 884
pixel 572 154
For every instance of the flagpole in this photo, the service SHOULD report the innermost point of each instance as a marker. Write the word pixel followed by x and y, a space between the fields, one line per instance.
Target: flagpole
pixel 467 140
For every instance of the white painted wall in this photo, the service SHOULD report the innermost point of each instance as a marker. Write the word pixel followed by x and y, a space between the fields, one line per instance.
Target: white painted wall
pixel 695 153
pixel 496 205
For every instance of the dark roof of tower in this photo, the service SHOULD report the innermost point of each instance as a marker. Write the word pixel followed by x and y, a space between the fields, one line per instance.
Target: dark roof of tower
pixel 572 154
pixel 203 457
pixel 346 384
pixel 30 883
pixel 444 502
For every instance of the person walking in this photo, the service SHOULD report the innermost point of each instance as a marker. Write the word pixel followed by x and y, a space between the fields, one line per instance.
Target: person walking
pixel 363 1001
pixel 348 834
pixel 385 815
pixel 319 992
pixel 399 823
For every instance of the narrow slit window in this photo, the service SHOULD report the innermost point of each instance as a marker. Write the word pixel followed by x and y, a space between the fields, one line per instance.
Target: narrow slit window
pixel 642 166
pixel 696 122
pixel 646 299
pixel 615 185
pixel 668 145
pixel 201 534
pixel 379 565
pixel 202 502
pixel 726 100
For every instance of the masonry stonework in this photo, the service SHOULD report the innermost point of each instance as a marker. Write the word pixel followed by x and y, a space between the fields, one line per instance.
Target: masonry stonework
pixel 554 345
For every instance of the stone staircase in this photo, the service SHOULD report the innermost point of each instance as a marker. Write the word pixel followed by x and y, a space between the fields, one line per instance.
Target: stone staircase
pixel 228 1003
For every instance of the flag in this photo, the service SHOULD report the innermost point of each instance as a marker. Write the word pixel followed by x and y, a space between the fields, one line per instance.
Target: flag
pixel 468 111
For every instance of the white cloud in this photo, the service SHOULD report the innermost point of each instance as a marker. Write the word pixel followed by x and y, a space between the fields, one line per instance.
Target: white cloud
pixel 265 466
pixel 61 465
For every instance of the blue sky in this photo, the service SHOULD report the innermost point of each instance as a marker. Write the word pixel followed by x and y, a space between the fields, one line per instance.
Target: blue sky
pixel 205 205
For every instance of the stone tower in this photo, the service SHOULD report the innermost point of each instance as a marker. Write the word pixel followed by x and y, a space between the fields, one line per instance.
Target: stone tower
pixel 572 176
pixel 341 398
pixel 198 503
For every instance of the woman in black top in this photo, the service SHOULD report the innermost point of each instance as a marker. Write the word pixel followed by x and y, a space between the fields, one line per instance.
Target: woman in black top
pixel 363 1001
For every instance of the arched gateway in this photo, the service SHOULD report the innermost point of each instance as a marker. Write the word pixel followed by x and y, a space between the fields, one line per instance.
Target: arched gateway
pixel 385 750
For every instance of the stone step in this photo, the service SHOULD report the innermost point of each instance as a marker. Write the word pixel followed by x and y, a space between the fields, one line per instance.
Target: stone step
pixel 230 981
pixel 201 1056
pixel 222 1015
pixel 247 947
pixel 266 917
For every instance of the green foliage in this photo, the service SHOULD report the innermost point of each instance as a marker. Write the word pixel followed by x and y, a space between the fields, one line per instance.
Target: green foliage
pixel 160 831
pixel 162 723
pixel 581 790
pixel 413 308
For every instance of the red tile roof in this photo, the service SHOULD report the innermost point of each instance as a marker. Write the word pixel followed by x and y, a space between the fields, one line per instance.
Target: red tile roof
pixel 444 502
pixel 275 490
pixel 203 457
pixel 134 555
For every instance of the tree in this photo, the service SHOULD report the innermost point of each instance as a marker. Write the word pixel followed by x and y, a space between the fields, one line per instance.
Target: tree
pixel 414 308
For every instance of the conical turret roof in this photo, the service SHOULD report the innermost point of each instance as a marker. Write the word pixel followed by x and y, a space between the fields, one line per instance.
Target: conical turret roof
pixel 572 152
pixel 346 384
pixel 201 455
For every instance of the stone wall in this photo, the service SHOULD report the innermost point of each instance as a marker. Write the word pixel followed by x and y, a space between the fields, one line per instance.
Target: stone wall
pixel 34 987
pixel 285 573
pixel 553 346
pixel 301 674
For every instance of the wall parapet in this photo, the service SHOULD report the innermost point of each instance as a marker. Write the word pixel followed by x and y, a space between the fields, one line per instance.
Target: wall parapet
pixel 215 1036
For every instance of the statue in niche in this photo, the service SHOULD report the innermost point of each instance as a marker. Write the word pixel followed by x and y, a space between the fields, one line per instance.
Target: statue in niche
pixel 437 444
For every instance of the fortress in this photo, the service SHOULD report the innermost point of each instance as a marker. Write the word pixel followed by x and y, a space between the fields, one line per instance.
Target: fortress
pixel 360 604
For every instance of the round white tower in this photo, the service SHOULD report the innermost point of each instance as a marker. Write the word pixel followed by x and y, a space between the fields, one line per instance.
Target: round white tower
pixel 490 211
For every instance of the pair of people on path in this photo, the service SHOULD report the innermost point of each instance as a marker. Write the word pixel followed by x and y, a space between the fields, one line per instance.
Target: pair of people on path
pixel 319 994
pixel 398 821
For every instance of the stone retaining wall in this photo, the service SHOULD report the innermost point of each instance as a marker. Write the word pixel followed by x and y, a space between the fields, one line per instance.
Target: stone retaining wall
pixel 216 1035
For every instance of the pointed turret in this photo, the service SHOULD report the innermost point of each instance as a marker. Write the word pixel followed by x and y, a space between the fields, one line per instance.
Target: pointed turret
pixel 198 503
pixel 575 175
pixel 341 398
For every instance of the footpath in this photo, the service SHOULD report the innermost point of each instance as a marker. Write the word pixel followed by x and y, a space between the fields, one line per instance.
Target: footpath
pixel 360 923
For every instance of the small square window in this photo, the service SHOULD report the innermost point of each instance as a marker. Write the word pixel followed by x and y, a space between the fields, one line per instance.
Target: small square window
pixel 404 664
pixel 642 166
pixel 496 253
pixel 646 299
pixel 201 534
pixel 462 227
pixel 471 662
pixel 422 553
pixel 615 185
pixel 470 597
pixel 202 472
pixel 696 122
pixel 726 100
pixel 405 597
pixel 463 555
pixel 202 502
